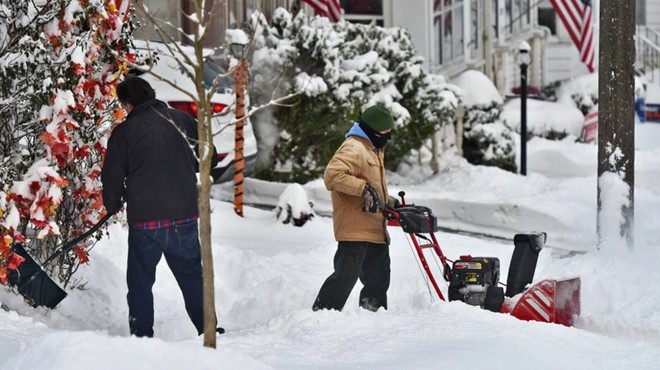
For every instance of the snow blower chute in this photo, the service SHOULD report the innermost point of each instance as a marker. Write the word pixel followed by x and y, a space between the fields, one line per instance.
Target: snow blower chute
pixel 475 280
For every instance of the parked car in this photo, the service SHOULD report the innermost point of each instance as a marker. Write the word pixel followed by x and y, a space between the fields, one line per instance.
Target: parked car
pixel 166 65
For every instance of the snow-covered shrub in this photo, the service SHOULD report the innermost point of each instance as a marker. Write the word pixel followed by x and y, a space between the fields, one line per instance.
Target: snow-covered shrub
pixel 486 139
pixel 294 206
pixel 341 68
pixel 545 119
pixel 582 92
pixel 58 67
pixel 490 144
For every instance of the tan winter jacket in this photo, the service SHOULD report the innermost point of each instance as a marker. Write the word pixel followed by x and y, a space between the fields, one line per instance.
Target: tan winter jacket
pixel 353 165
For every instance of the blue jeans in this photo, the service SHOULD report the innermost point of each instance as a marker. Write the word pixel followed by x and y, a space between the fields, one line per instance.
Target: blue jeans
pixel 180 245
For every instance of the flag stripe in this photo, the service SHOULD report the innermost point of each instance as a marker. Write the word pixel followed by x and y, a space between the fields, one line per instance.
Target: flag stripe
pixel 326 8
pixel 334 10
pixel 319 6
pixel 577 18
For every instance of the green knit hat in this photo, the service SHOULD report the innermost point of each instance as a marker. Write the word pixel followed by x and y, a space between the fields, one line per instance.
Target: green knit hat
pixel 378 118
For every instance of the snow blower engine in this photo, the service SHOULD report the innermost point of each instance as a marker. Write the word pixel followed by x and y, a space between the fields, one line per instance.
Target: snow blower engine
pixel 474 280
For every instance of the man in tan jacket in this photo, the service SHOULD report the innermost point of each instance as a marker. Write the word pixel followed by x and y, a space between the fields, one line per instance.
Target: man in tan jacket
pixel 355 177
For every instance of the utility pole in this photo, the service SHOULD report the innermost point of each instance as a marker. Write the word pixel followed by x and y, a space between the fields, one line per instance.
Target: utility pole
pixel 616 126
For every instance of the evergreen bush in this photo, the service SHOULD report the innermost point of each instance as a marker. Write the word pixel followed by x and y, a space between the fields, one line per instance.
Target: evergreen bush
pixel 342 68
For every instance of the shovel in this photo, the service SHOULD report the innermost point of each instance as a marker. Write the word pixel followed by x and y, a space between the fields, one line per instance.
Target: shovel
pixel 33 283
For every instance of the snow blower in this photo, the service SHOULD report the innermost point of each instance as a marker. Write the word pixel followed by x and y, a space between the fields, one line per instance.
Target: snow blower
pixel 475 280
pixel 31 280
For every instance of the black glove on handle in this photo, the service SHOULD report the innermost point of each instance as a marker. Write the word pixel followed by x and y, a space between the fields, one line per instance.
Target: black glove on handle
pixel 373 202
pixel 393 202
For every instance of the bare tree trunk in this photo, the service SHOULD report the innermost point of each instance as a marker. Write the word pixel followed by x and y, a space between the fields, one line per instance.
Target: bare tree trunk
pixel 205 154
pixel 616 131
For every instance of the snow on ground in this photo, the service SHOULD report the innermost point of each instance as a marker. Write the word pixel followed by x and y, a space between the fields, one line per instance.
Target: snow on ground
pixel 268 274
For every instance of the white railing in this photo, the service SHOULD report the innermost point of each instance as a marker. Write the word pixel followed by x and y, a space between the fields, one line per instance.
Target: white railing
pixel 647 50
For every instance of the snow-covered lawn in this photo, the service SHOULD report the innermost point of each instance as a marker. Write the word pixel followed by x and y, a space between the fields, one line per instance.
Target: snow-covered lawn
pixel 268 273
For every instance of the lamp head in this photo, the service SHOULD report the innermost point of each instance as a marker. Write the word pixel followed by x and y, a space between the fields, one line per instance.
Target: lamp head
pixel 524 56
pixel 236 50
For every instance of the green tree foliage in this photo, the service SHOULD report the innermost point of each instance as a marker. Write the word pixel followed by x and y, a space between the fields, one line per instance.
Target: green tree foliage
pixel 342 69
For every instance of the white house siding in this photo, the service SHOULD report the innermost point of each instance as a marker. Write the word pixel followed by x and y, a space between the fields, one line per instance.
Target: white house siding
pixel 653 14
pixel 415 17
pixel 563 61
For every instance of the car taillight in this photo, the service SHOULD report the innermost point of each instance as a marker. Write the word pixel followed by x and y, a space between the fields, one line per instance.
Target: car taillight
pixel 191 107
pixel 185 106
pixel 217 107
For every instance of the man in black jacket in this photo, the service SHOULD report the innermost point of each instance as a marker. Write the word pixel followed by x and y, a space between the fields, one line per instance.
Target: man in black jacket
pixel 150 165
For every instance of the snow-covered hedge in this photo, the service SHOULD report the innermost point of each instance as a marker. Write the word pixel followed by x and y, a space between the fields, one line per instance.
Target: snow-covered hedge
pixel 581 92
pixel 341 68
pixel 486 139
pixel 545 119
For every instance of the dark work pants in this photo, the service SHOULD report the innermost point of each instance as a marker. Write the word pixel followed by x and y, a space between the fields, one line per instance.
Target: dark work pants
pixel 370 263
pixel 180 245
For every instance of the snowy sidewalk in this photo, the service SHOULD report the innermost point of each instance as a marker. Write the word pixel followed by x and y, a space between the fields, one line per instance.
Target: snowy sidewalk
pixel 558 196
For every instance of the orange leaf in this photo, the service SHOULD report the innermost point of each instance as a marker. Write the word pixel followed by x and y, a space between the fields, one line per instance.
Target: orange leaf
pixel 119 114
pixel 48 138
pixel 82 255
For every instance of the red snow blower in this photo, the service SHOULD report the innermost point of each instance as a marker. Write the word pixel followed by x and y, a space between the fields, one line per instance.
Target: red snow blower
pixel 475 280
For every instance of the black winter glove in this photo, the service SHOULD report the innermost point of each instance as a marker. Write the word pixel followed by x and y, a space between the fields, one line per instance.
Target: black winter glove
pixel 373 202
pixel 393 202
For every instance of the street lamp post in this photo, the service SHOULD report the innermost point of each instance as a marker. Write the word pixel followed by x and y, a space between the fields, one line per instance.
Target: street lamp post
pixel 524 58
pixel 240 74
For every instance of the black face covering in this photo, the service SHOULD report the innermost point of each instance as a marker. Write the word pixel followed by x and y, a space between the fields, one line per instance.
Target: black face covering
pixel 379 140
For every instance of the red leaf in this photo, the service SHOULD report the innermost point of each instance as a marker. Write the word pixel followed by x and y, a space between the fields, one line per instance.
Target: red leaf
pixel 14 261
pixel 83 152
pixel 82 255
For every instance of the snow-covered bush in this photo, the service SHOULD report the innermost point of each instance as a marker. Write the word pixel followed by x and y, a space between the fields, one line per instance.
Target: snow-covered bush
pixel 582 92
pixel 341 68
pixel 486 139
pixel 58 66
pixel 545 119
pixel 294 206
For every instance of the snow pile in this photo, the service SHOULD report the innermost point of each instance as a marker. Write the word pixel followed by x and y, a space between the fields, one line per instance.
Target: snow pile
pixel 544 117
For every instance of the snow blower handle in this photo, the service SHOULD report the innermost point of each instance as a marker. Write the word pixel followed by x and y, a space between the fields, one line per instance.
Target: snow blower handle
pixel 402 194
pixel 72 243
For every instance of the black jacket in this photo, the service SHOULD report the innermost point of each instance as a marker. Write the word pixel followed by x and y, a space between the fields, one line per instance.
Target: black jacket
pixel 150 165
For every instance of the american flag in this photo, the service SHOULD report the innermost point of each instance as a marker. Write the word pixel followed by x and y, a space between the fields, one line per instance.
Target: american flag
pixel 576 15
pixel 326 8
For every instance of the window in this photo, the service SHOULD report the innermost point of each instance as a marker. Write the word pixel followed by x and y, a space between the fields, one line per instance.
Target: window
pixel 548 18
pixel 364 7
pixel 448 30
pixel 475 11
pixel 363 11
pixel 517 16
